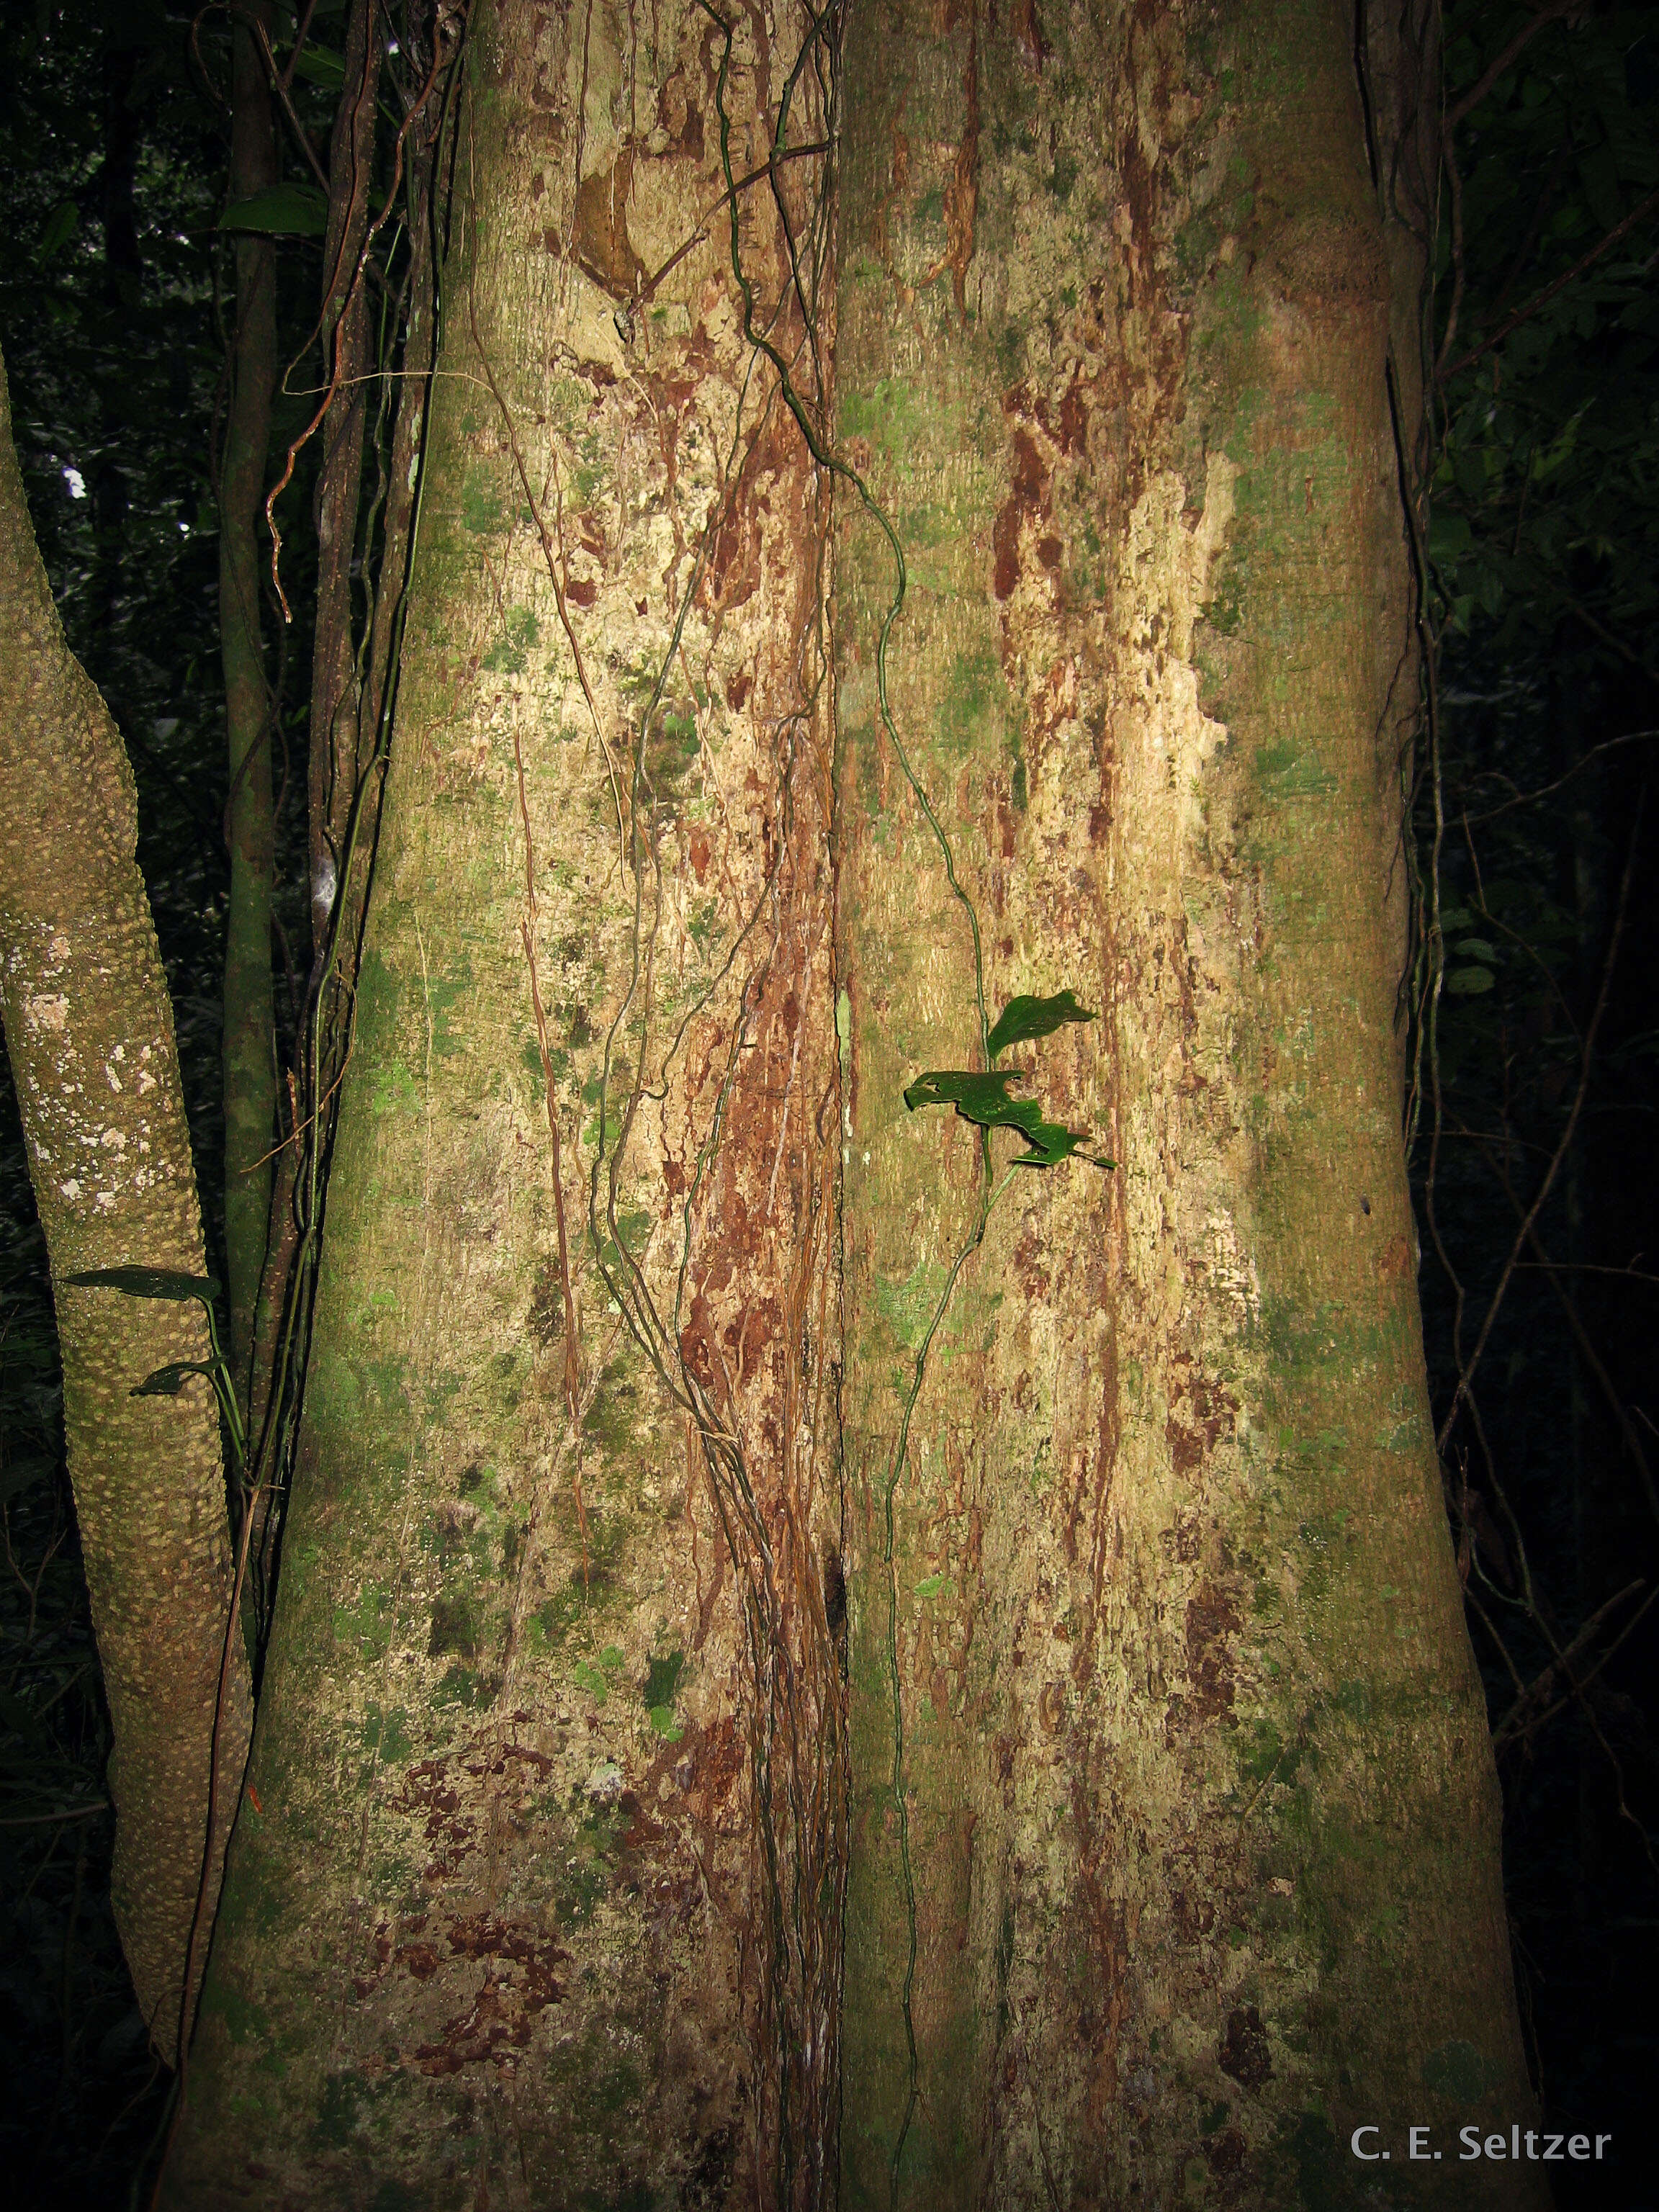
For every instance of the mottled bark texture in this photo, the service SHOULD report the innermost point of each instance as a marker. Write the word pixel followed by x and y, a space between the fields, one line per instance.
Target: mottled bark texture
pixel 1192 1865
pixel 250 1041
pixel 90 1029
pixel 534 1894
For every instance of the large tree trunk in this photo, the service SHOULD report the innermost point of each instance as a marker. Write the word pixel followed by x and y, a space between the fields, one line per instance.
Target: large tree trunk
pixel 1173 1852
pixel 90 1029
pixel 1175 1838
pixel 534 1895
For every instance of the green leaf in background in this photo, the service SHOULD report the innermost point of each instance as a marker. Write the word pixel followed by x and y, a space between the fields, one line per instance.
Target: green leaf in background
pixel 61 226
pixel 316 65
pixel 1469 982
pixel 279 211
pixel 19 1474
pixel 1024 1017
pixel 167 1382
pixel 146 1283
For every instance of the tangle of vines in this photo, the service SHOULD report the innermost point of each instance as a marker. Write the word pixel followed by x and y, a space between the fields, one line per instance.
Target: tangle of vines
pixel 795 1723
pixel 423 183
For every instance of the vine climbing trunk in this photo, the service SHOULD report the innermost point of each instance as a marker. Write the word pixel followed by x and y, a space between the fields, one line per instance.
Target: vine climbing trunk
pixel 535 1896
pixel 250 1034
pixel 1175 1833
pixel 355 677
pixel 88 1027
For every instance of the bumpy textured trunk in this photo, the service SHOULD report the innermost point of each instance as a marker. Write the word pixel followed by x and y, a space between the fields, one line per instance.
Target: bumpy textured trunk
pixel 534 1893
pixel 1172 1850
pixel 1175 1828
pixel 250 814
pixel 90 1029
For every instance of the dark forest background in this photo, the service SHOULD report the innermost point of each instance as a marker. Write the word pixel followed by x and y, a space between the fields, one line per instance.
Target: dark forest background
pixel 1532 478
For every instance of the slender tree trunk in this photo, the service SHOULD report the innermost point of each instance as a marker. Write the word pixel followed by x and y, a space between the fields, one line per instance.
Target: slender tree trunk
pixel 250 1047
pixel 1175 1841
pixel 90 1029
pixel 334 764
pixel 535 1896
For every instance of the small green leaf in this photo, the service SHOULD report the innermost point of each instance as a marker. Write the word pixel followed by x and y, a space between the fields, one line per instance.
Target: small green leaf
pixel 1476 948
pixel 146 1283
pixel 976 1097
pixel 1024 1017
pixel 984 1100
pixel 318 66
pixel 1469 982
pixel 167 1382
pixel 1050 1144
pixel 290 210
pixel 662 1719
pixel 933 1585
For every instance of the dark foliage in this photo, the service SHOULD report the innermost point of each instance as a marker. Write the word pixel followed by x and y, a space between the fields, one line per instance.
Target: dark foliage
pixel 1538 1057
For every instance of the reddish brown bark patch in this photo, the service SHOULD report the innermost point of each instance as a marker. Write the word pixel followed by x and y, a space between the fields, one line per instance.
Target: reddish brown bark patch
pixel 962 193
pixel 1226 2153
pixel 1027 495
pixel 604 249
pixel 1243 2052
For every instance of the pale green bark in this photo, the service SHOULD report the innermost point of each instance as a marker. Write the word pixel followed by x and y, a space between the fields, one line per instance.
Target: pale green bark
pixel 250 1039
pixel 499 1923
pixel 90 1029
pixel 1201 1819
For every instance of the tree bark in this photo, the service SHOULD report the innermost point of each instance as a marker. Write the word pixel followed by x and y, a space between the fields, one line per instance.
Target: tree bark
pixel 535 1887
pixel 1173 1841
pixel 250 1043
pixel 1175 1835
pixel 90 1029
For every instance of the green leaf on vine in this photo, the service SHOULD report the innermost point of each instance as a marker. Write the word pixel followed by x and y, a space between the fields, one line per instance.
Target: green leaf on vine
pixel 1024 1017
pixel 167 1382
pixel 146 1283
pixel 984 1100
